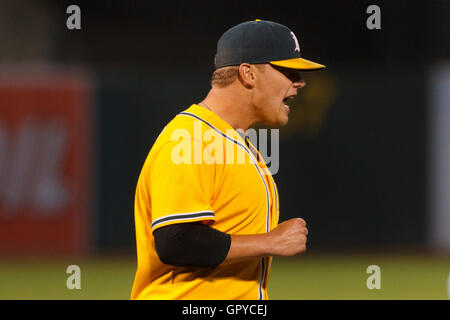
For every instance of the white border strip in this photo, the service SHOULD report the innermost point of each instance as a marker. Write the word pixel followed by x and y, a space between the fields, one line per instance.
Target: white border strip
pixel 182 216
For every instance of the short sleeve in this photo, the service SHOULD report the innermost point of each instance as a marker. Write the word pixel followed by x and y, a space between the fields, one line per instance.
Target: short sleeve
pixel 181 187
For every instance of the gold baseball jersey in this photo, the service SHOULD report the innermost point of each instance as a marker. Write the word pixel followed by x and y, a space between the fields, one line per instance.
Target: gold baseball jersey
pixel 201 169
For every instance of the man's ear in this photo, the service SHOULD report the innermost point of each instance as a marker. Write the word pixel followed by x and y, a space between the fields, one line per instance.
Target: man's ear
pixel 247 75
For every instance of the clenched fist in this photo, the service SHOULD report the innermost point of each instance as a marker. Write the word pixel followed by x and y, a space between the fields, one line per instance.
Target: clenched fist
pixel 288 238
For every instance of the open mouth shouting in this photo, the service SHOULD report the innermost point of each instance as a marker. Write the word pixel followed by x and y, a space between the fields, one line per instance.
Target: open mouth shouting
pixel 286 99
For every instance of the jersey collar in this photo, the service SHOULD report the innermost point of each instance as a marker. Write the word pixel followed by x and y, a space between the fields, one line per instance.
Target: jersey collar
pixel 214 120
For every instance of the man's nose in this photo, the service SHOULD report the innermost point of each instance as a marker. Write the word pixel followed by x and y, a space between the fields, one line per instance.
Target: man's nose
pixel 299 84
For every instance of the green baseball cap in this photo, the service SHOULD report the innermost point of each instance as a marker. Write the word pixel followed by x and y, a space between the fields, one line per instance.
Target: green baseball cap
pixel 261 41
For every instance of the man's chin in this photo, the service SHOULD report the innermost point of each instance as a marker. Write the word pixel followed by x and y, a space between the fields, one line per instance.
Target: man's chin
pixel 283 118
pixel 279 122
pixel 284 121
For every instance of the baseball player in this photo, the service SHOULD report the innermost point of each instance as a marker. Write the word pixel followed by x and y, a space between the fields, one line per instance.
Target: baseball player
pixel 206 224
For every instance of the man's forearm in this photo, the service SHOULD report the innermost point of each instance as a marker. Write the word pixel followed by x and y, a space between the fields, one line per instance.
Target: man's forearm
pixel 287 239
pixel 248 246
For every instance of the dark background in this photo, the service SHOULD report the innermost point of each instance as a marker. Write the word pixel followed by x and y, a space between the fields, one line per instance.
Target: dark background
pixel 352 164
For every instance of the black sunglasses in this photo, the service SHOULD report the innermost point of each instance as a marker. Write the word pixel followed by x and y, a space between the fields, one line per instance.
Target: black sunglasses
pixel 291 74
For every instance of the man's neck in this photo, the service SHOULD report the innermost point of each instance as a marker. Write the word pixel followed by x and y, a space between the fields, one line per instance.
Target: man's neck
pixel 230 107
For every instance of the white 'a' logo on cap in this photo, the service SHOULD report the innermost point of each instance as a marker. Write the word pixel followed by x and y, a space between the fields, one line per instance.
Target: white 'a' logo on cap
pixel 297 46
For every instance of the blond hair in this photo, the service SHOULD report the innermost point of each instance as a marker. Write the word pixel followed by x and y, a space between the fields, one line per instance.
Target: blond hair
pixel 225 76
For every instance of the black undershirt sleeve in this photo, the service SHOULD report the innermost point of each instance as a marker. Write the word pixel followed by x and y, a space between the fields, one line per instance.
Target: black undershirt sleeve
pixel 191 245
